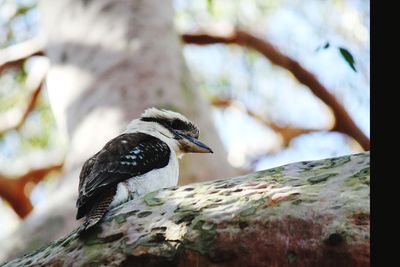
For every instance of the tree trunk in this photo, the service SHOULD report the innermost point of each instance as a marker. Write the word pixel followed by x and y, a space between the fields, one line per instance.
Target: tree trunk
pixel 303 214
pixel 110 60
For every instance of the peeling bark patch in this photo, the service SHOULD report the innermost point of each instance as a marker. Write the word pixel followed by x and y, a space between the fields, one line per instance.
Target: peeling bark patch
pixel 112 238
pixel 361 177
pixel 188 189
pixel 163 228
pixel 90 236
pixel 151 200
pixel 252 207
pixel 275 173
pixel 279 197
pixel 202 239
pixel 158 234
pixel 297 202
pixel 291 256
pixel 159 237
pixel 363 172
pixel 243 225
pixel 144 214
pixel 188 218
pixel 360 219
pixel 336 162
pixel 221 255
pixel 237 190
pixel 224 186
pixel 120 218
pixel 334 239
pixel 320 178
pixel 148 260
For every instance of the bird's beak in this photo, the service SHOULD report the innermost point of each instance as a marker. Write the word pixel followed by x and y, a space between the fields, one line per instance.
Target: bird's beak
pixel 191 144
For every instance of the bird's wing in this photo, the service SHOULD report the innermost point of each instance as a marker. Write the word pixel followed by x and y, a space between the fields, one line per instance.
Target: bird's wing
pixel 86 170
pixel 126 156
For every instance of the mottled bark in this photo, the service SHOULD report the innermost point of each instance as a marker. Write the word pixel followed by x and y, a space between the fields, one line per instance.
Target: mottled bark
pixel 110 60
pixel 302 214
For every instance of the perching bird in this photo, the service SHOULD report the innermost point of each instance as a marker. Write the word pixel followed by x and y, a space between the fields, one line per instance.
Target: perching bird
pixel 142 159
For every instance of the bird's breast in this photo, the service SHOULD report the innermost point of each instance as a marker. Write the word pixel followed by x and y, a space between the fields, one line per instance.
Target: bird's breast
pixel 148 182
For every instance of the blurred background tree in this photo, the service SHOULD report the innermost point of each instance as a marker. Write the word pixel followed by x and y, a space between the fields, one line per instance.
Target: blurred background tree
pixel 280 81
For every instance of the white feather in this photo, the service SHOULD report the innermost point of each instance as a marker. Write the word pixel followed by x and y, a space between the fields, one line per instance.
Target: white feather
pixel 148 182
pixel 163 113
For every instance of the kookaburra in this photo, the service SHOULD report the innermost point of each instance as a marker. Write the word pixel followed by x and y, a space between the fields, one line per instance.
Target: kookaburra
pixel 142 159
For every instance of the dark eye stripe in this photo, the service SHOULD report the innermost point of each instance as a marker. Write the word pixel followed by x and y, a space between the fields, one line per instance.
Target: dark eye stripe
pixel 180 125
pixel 175 124
pixel 161 121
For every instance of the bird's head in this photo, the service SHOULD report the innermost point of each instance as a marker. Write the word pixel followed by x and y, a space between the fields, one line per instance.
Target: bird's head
pixel 172 128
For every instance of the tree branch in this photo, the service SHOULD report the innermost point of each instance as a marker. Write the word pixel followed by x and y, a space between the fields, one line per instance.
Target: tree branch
pixel 15 117
pixel 13 189
pixel 9 122
pixel 287 133
pixel 343 123
pixel 16 55
pixel 289 215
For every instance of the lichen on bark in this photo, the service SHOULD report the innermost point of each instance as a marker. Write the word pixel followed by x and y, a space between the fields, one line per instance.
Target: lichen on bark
pixel 301 214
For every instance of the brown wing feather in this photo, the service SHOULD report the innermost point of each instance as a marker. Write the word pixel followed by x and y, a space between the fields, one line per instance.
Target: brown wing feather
pixel 86 170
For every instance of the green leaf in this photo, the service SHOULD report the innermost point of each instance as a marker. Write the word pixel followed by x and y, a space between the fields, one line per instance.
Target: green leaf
pixel 348 57
pixel 23 10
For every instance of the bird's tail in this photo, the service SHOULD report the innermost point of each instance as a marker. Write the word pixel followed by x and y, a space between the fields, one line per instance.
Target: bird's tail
pixel 96 213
